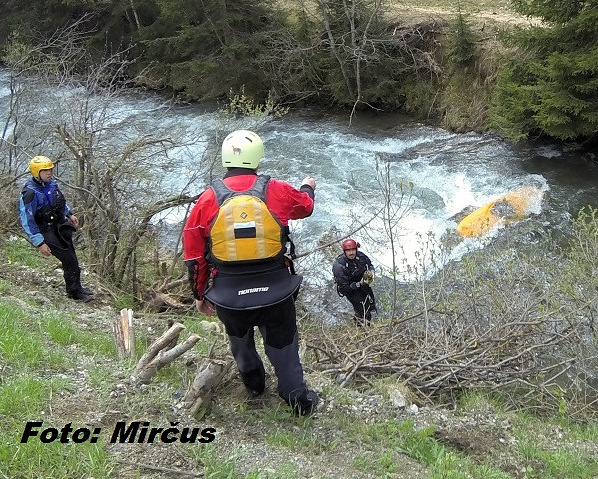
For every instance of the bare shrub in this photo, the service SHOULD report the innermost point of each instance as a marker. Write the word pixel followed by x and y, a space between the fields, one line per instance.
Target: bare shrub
pixel 65 105
pixel 505 319
pixel 9 207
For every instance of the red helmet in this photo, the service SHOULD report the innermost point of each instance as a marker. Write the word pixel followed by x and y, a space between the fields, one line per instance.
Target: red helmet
pixel 350 244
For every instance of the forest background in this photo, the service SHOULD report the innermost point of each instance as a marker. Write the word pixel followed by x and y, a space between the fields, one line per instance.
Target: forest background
pixel 533 76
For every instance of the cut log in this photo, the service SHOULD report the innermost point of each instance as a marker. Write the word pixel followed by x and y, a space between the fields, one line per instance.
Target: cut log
pixel 209 374
pixel 124 334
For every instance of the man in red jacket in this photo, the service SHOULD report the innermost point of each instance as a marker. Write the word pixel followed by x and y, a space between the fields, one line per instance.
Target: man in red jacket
pixel 235 239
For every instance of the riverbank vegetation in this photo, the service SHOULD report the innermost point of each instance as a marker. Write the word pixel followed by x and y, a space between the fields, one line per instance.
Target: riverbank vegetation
pixel 441 62
pixel 488 372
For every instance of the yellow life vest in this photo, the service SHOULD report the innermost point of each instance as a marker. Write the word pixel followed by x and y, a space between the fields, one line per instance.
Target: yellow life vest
pixel 245 231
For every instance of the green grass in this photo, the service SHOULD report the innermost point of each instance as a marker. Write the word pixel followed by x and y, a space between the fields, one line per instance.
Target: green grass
pixel 65 333
pixel 32 351
pixel 383 464
pixel 216 467
pixel 386 439
pixel 124 301
pixel 382 444
pixel 21 343
pixel 574 458
pixel 580 432
pixel 52 461
pixel 23 338
pixel 4 286
pixel 20 251
pixel 99 376
pixel 36 344
pixel 24 398
pixel 213 465
pixel 304 439
pixel 479 401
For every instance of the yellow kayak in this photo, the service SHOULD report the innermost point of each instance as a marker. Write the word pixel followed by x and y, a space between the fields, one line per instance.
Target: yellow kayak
pixel 505 209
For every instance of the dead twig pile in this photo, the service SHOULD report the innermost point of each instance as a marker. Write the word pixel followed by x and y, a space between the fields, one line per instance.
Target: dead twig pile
pixel 435 360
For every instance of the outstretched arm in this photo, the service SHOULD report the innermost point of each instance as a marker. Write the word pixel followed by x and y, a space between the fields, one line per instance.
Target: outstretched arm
pixel 288 203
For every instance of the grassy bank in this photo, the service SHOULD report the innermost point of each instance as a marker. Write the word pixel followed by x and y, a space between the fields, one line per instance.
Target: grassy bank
pixel 59 367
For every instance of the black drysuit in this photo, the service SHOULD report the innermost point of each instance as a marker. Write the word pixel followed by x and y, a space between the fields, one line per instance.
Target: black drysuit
pixel 45 217
pixel 347 275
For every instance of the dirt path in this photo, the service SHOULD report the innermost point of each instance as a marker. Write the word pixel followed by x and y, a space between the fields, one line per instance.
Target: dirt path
pixel 484 15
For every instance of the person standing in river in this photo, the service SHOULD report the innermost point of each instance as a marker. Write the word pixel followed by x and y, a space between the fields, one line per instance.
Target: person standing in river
pixel 236 235
pixel 353 273
pixel 49 223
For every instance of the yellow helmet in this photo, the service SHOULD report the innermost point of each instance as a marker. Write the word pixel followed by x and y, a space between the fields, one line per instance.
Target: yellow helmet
pixel 242 149
pixel 39 163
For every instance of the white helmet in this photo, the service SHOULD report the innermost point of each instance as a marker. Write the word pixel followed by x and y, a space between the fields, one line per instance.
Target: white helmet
pixel 242 149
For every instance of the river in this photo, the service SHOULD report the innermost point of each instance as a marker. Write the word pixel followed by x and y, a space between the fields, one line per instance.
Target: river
pixel 441 172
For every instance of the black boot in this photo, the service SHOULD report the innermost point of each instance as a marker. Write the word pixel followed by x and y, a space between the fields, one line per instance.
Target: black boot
pixel 80 296
pixel 255 381
pixel 305 405
pixel 74 290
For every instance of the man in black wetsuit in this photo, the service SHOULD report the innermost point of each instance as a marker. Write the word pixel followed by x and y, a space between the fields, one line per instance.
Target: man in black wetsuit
pixel 353 272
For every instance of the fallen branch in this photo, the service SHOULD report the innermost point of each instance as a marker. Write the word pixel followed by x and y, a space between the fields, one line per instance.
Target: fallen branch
pixel 160 301
pixel 209 375
pixel 432 360
pixel 160 468
pixel 162 352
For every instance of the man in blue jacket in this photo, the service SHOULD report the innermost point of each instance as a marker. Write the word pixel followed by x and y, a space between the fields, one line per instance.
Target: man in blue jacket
pixel 49 223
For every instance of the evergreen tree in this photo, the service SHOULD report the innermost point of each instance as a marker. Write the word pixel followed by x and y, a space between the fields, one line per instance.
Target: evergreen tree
pixel 549 84
pixel 200 48
pixel 205 48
